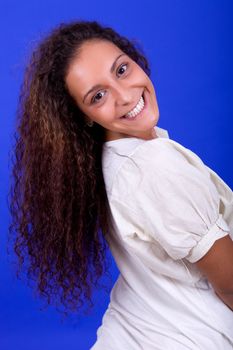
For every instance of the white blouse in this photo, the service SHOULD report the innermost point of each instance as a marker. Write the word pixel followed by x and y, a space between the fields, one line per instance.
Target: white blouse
pixel 167 208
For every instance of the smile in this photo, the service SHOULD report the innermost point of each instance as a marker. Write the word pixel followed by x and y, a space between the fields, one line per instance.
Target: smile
pixel 136 110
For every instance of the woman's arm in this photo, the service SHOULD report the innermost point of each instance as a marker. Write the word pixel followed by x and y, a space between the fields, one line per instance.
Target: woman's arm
pixel 217 266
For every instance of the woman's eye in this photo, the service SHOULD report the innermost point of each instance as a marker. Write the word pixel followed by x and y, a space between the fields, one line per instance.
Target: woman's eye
pixel 122 70
pixel 97 97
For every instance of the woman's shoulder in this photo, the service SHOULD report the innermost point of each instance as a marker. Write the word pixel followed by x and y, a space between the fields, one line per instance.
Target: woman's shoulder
pixel 130 158
pixel 118 155
pixel 146 151
pixel 121 150
pixel 164 169
pixel 161 158
pixel 163 153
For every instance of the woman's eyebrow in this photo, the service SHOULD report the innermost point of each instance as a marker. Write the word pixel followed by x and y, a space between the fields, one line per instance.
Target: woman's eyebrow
pixel 98 85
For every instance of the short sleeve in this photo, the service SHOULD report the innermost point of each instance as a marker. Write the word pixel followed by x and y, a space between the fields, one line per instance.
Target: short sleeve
pixel 176 202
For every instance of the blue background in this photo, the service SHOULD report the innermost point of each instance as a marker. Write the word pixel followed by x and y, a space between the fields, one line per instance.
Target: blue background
pixel 189 46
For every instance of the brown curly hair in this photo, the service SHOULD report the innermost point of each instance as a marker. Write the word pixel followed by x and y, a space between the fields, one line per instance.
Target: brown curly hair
pixel 58 202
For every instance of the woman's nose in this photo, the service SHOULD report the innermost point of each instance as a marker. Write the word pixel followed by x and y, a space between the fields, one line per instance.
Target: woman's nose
pixel 123 97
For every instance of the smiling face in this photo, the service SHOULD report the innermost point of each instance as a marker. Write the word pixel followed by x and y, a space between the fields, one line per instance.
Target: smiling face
pixel 107 84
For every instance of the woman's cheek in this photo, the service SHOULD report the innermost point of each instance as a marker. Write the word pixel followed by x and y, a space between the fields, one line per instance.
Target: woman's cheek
pixel 107 112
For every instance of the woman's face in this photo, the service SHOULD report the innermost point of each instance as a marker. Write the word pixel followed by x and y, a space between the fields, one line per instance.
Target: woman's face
pixel 107 84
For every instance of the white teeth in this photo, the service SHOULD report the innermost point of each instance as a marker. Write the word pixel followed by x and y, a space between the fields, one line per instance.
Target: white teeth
pixel 136 109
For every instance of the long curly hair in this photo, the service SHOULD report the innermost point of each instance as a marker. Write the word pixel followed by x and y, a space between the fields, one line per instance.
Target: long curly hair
pixel 58 202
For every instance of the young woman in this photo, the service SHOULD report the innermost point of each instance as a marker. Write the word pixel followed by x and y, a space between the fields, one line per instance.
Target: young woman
pixel 92 166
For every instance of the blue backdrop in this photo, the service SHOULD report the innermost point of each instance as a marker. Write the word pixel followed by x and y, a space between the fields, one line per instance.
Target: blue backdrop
pixel 189 46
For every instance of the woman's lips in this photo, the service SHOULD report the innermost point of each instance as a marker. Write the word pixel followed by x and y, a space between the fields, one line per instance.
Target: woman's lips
pixel 140 113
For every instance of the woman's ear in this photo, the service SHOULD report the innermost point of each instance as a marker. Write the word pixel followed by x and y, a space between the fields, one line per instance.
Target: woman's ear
pixel 89 122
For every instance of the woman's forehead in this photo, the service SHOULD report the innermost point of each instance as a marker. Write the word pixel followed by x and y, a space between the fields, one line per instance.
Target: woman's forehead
pixel 95 52
pixel 96 45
